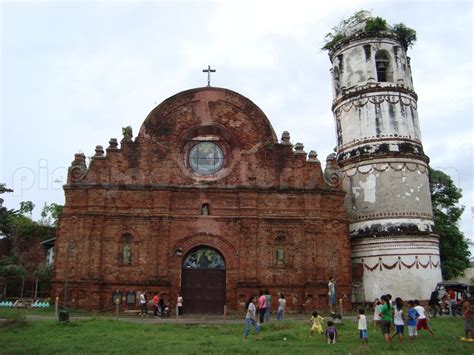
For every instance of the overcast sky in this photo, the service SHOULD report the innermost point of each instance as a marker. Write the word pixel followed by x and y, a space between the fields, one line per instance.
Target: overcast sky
pixel 74 73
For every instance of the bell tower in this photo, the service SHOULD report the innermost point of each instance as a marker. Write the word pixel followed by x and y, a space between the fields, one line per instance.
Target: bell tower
pixel 381 160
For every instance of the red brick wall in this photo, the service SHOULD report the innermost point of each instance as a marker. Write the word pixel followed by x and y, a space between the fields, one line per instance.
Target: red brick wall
pixel 266 197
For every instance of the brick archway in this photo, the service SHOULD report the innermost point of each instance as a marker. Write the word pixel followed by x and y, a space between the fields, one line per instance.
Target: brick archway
pixel 203 281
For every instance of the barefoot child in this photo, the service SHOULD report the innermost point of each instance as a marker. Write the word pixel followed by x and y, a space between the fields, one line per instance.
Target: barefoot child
pixel 412 319
pixel 399 318
pixel 422 321
pixel 363 331
pixel 377 306
pixel 316 323
pixel 331 333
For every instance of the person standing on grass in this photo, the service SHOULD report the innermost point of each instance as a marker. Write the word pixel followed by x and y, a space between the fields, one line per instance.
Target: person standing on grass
pixel 362 326
pixel 422 321
pixel 412 320
pixel 377 306
pixel 281 306
pixel 251 318
pixel 262 305
pixel 468 315
pixel 386 318
pixel 268 300
pixel 399 318
pixel 316 323
pixel 179 304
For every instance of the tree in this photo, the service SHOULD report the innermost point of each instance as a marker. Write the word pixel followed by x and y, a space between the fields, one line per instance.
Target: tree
pixel 26 207
pixel 50 214
pixel 454 248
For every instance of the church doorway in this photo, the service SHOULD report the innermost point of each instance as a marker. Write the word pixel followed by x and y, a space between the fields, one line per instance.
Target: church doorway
pixel 203 282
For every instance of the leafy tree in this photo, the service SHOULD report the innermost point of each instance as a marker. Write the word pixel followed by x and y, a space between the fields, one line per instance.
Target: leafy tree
pixel 4 188
pixel 10 266
pixel 26 207
pixel 50 214
pixel 406 34
pixel 454 248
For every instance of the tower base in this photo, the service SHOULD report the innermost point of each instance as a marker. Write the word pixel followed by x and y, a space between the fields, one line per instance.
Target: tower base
pixel 408 267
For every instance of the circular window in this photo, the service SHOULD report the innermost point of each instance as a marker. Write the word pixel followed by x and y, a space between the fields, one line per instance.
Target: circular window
pixel 206 158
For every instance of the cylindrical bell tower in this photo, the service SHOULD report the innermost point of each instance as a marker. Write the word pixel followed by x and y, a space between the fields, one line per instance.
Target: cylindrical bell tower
pixel 383 167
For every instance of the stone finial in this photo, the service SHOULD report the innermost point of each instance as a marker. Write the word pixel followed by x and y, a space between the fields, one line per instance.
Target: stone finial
pixel 127 134
pixel 313 156
pixel 299 148
pixel 331 172
pixel 331 157
pixel 113 143
pixel 78 167
pixel 99 151
pixel 285 138
pixel 79 160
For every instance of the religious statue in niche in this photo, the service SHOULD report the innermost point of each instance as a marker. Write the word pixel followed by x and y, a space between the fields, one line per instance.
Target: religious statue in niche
pixel 205 209
pixel 280 257
pixel 127 254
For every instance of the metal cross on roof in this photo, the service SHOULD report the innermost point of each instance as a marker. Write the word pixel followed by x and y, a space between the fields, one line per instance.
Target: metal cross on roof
pixel 209 71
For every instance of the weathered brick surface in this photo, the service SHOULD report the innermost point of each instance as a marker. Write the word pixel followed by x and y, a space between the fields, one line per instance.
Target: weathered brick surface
pixel 266 197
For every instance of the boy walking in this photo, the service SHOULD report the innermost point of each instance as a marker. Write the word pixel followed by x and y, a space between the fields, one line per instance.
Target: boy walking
pixel 363 331
pixel 412 316
pixel 422 321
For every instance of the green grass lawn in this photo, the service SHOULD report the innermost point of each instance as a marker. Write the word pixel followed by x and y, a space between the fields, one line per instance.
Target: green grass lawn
pixel 110 336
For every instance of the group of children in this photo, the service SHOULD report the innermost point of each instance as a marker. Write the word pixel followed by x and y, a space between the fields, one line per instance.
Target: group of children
pixel 386 313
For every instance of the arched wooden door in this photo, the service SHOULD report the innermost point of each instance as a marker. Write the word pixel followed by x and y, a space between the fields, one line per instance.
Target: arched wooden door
pixel 203 282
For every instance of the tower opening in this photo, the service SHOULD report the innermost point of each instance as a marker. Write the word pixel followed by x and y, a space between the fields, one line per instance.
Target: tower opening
pixel 382 64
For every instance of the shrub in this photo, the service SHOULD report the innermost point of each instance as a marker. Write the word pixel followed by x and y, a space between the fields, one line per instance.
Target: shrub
pixel 406 34
pixel 375 24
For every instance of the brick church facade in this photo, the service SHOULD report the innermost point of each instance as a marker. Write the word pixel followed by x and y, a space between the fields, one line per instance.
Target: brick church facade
pixel 207 202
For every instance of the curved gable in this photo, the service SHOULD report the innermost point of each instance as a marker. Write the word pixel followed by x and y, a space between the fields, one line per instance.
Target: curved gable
pixel 208 106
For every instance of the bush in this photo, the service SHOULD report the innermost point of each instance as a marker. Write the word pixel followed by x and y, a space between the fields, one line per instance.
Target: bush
pixel 406 34
pixel 375 24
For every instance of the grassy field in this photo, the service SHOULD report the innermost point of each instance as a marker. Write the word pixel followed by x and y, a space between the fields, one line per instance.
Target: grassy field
pixel 110 336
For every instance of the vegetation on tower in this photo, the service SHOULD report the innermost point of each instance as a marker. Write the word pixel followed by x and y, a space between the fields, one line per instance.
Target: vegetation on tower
pixel 362 23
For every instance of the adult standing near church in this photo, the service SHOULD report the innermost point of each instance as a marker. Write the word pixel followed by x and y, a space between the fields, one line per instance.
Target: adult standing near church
pixel 468 314
pixel 262 305
pixel 143 301
pixel 179 304
pixel 156 300
pixel 332 293
pixel 281 306
pixel 268 301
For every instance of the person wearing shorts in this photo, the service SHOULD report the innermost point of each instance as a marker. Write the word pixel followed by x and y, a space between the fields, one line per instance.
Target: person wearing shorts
pixel 362 326
pixel 412 316
pixel 386 318
pixel 422 321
